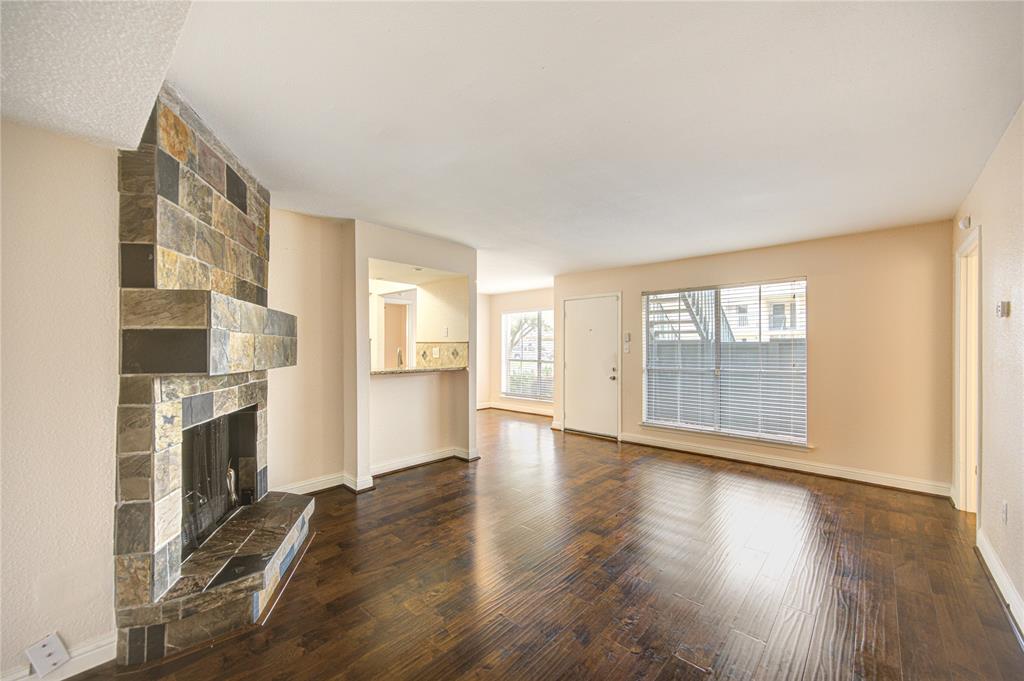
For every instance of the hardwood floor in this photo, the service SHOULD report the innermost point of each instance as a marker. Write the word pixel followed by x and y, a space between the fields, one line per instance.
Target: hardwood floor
pixel 565 557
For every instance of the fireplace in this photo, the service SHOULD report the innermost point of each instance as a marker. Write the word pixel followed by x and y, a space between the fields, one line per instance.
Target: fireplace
pixel 201 545
pixel 211 488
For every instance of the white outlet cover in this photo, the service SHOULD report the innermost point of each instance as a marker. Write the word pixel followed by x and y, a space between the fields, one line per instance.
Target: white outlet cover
pixel 436 352
pixel 47 654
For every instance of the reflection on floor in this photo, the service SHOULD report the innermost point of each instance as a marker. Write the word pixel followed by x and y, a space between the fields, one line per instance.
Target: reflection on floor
pixel 562 556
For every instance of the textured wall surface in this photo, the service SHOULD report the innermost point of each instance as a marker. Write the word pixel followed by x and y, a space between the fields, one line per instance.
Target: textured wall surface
pixel 996 203
pixel 59 390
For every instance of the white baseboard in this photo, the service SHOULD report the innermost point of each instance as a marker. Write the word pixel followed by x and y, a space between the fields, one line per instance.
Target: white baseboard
pixel 539 410
pixel 1007 589
pixel 418 459
pixel 83 657
pixel 324 482
pixel 557 425
pixel 831 470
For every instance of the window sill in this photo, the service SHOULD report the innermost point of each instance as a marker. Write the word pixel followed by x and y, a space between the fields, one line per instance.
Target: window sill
pixel 765 442
pixel 540 400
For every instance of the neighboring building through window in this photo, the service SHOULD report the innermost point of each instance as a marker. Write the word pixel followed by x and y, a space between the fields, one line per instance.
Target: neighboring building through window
pixel 731 360
pixel 528 354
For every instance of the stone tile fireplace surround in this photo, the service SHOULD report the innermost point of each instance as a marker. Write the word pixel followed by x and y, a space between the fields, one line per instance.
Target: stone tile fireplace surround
pixel 196 342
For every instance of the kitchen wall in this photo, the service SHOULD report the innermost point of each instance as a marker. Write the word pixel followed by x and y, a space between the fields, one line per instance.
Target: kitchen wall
pixel 59 395
pixel 500 303
pixel 880 320
pixel 443 307
pixel 996 208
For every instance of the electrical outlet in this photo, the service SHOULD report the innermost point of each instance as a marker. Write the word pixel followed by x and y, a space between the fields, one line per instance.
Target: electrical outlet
pixel 435 352
pixel 1006 512
pixel 47 654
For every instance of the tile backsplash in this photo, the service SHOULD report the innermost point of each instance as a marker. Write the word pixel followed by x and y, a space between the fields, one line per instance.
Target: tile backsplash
pixel 449 355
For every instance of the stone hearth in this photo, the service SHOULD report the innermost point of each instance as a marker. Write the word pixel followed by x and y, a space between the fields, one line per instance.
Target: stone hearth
pixel 196 342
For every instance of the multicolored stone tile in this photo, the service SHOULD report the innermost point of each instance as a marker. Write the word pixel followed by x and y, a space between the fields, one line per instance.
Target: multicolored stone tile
pixel 195 196
pixel 137 218
pixel 211 166
pixel 174 136
pixel 175 228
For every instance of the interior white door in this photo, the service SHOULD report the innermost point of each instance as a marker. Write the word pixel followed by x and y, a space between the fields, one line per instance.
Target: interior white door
pixel 591 365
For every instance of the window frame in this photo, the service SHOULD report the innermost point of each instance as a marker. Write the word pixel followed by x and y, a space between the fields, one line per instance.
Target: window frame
pixel 539 362
pixel 718 432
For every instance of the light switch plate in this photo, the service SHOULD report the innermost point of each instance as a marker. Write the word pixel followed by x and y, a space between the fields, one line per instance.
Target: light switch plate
pixel 47 654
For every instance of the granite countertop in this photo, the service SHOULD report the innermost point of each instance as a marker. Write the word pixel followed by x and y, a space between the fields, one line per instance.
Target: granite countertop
pixel 415 370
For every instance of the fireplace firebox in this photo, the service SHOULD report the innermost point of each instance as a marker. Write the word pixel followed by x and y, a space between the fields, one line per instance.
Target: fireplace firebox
pixel 211 454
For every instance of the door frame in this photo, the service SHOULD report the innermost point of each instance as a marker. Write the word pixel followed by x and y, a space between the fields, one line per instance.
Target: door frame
pixel 961 472
pixel 618 355
pixel 410 325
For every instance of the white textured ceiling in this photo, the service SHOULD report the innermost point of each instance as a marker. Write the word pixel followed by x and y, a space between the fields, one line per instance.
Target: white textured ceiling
pixel 90 69
pixel 560 137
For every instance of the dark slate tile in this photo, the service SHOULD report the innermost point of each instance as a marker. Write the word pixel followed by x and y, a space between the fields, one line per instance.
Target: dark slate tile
pixel 196 409
pixel 136 170
pixel 154 642
pixel 167 176
pixel 135 390
pixel 137 266
pixel 131 528
pixel 249 292
pixel 163 351
pixel 136 217
pixel 280 324
pixel 240 567
pixel 236 190
pixel 261 296
pixel 136 645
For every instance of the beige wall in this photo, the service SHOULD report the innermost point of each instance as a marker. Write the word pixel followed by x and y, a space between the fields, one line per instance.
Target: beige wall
pixel 443 305
pixel 416 418
pixel 996 203
pixel 500 303
pixel 306 430
pixel 483 350
pixel 59 395
pixel 879 350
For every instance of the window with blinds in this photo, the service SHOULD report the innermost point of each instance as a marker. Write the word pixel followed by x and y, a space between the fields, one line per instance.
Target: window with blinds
pixel 528 354
pixel 728 359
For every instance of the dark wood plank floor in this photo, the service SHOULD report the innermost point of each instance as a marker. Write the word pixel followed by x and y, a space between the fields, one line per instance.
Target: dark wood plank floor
pixel 564 557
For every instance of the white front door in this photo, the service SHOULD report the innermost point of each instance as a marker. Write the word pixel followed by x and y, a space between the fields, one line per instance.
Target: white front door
pixel 591 378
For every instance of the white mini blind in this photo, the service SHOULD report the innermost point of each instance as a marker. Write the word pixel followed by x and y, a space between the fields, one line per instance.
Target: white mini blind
pixel 528 354
pixel 731 360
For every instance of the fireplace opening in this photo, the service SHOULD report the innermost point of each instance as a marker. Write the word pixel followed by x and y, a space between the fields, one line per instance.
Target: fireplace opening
pixel 212 488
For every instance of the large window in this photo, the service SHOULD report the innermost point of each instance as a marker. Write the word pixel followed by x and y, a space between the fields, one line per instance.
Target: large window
pixel 528 354
pixel 730 359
